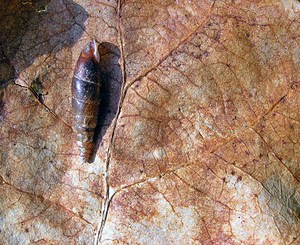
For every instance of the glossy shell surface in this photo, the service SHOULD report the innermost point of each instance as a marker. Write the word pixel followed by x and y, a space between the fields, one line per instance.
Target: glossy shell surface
pixel 86 87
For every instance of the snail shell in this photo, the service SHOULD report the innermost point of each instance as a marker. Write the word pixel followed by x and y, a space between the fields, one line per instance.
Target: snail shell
pixel 86 87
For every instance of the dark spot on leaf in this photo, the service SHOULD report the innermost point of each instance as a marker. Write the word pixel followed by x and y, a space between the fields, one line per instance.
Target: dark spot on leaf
pixel 37 88
pixel 282 99
pixel 295 85
pixel 239 178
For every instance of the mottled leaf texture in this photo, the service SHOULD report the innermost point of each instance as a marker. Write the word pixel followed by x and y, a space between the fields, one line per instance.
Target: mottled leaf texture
pixel 198 135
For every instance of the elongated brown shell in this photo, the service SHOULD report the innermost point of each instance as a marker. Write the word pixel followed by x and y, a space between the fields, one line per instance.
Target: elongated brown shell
pixel 86 87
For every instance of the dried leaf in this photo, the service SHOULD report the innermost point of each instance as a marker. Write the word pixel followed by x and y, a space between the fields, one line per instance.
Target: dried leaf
pixel 199 134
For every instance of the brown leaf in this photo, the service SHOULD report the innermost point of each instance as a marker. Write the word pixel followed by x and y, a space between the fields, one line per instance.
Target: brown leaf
pixel 202 149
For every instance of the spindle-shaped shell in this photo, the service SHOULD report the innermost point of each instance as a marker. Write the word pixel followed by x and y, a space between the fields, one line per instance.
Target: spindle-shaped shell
pixel 86 87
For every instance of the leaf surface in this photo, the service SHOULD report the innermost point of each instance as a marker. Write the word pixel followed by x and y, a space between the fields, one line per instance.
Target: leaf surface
pixel 203 149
